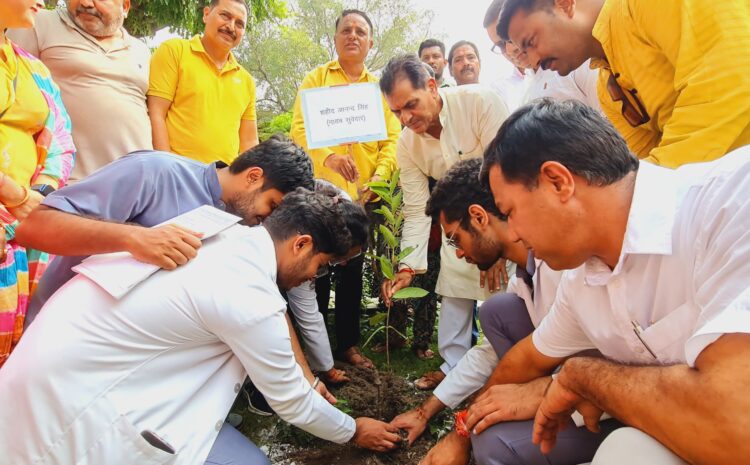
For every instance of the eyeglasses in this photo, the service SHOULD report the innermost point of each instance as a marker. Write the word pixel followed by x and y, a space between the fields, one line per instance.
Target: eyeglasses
pixel 325 268
pixel 452 243
pixel 498 48
pixel 634 114
pixel 345 259
pixel 322 271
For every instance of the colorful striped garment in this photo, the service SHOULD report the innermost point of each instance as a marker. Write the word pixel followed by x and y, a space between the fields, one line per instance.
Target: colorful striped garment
pixel 22 268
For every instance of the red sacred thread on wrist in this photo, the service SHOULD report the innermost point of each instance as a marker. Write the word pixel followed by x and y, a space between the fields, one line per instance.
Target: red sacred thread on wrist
pixel 460 424
pixel 408 270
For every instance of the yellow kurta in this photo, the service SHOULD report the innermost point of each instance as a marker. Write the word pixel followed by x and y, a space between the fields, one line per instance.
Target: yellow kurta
pixel 689 61
pixel 371 158
pixel 25 114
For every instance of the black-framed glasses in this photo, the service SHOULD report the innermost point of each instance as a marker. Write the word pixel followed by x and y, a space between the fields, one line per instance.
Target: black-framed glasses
pixel 634 112
pixel 498 48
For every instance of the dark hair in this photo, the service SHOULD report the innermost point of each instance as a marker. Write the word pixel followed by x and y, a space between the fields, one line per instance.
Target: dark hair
pixel 458 44
pixel 313 213
pixel 285 164
pixel 567 132
pixel 429 43
pixel 409 66
pixel 493 13
pixel 214 3
pixel 457 190
pixel 352 11
pixel 354 215
pixel 511 7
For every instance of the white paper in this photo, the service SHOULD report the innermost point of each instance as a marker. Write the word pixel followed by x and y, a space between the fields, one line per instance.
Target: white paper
pixel 118 273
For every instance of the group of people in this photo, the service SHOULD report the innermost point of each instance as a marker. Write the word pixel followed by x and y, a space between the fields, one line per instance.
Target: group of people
pixel 606 176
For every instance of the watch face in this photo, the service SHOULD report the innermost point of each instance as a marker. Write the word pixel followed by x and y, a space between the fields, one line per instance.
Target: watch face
pixel 44 189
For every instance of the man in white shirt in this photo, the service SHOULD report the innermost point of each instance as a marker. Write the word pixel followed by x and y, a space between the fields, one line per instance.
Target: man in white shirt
pixel 150 378
pixel 442 127
pixel 479 234
pixel 538 83
pixel 659 260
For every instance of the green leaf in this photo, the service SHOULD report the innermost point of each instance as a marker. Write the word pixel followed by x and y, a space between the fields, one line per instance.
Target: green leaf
pixel 377 184
pixel 405 253
pixel 386 213
pixel 378 318
pixel 396 200
pixel 383 193
pixel 410 293
pixel 394 180
pixel 386 267
pixel 390 239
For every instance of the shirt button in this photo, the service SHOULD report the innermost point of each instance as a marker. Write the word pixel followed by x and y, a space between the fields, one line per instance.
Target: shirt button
pixel 237 388
pixel 219 424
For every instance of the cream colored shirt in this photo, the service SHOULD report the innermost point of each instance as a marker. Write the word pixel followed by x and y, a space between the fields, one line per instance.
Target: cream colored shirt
pixel 682 275
pixel 471 116
pixel 103 89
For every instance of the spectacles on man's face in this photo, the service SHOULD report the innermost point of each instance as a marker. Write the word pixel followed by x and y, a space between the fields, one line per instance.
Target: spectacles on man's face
pixel 325 268
pixel 451 241
pixel 636 114
pixel 322 271
pixel 498 48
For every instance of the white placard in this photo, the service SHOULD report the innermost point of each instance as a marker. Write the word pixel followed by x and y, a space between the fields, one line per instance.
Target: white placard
pixel 343 114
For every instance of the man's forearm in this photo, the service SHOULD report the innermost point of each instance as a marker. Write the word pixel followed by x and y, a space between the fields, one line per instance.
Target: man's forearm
pixel 299 355
pixel 521 364
pixel 82 236
pixel 699 416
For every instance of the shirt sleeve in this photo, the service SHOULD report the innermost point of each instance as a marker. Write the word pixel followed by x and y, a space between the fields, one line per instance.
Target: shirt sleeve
pixel 27 39
pixel 722 292
pixel 260 340
pixel 585 79
pixel 559 334
pixel 164 70
pixel 250 113
pixel 708 48
pixel 468 376
pixel 386 161
pixel 119 191
pixel 492 113
pixel 416 232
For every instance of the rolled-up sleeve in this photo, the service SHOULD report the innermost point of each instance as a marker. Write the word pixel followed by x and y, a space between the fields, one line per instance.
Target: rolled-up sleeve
pixel 468 376
pixel 416 232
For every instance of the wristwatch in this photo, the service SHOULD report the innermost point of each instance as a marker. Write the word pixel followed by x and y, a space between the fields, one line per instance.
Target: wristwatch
pixel 44 189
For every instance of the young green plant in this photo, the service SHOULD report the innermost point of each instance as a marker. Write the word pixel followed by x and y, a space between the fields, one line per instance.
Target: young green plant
pixel 390 255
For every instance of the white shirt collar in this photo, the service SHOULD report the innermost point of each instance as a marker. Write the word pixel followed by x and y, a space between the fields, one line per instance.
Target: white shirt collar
pixel 650 221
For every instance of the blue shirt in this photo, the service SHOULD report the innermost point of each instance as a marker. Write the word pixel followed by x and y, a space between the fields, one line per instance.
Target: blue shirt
pixel 145 187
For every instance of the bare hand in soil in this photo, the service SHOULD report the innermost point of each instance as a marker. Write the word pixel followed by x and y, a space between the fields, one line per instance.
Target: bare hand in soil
pixel 323 391
pixel 451 450
pixel 389 287
pixel 413 422
pixel 495 277
pixel 166 246
pixel 506 402
pixel 376 435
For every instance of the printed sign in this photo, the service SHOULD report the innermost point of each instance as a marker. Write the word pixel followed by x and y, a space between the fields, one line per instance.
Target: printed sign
pixel 343 114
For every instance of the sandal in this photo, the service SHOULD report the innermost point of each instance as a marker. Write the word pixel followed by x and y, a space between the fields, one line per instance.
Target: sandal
pixel 429 380
pixel 334 376
pixel 353 356
pixel 424 354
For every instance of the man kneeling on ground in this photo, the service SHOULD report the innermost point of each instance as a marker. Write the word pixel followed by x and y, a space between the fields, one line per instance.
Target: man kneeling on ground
pixel 151 379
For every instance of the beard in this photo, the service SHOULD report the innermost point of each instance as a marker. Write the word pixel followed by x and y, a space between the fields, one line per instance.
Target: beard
pixel 489 252
pixel 243 205
pixel 293 274
pixel 106 27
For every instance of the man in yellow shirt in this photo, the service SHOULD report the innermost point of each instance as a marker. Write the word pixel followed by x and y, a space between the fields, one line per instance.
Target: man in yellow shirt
pixel 348 167
pixel 674 75
pixel 201 102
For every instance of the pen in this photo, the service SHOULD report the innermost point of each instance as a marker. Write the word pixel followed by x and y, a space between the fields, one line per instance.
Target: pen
pixel 638 332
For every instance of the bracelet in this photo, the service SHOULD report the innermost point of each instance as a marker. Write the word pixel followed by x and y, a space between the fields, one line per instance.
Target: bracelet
pixel 460 423
pixel 315 383
pixel 26 195
pixel 408 270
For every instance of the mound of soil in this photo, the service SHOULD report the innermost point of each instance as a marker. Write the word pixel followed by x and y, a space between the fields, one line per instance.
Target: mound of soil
pixel 382 396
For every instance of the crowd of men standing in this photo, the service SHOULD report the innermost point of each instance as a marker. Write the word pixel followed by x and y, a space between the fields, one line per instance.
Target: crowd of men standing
pixel 606 176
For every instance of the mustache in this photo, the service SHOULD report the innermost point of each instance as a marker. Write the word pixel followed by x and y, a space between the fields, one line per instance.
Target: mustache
pixel 91 11
pixel 467 68
pixel 228 31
